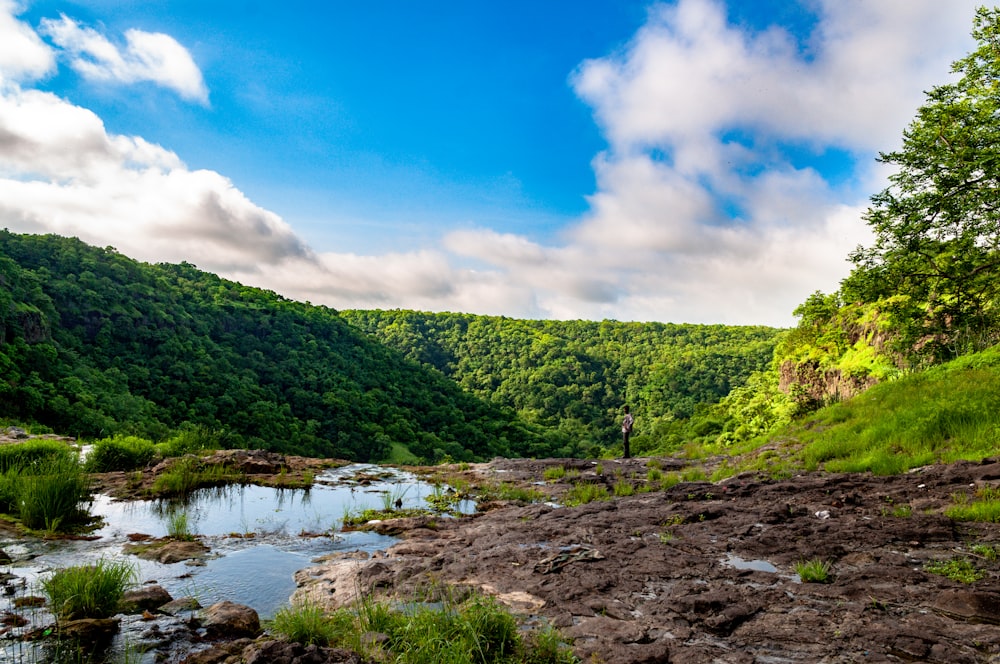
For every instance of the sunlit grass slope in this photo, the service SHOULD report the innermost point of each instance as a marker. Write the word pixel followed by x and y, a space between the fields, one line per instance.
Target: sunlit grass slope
pixel 947 413
pixel 944 414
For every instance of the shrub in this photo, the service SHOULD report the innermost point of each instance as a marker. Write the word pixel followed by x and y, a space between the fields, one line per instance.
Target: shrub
pixel 119 453
pixel 89 591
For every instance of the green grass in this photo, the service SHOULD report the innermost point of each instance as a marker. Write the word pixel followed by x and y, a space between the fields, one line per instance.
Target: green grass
pixel 89 591
pixel 32 453
pixel 956 569
pixel 119 453
pixel 47 494
pixel 306 623
pixel 990 552
pixel 191 441
pixel 583 493
pixel 623 488
pixel 179 525
pixel 945 414
pixel 475 630
pixel 400 455
pixel 813 571
pixel 554 473
pixel 983 507
pixel 187 474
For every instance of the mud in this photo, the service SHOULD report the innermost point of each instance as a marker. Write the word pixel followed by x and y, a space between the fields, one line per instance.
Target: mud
pixel 704 572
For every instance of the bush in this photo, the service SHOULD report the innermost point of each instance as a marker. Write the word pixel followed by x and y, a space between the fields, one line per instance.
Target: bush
pixel 119 453
pixel 89 591
pixel 191 441
pixel 32 454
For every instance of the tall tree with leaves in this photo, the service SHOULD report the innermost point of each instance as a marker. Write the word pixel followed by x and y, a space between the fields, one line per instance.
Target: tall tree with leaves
pixel 934 263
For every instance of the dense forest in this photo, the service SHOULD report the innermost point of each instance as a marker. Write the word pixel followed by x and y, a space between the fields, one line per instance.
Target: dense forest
pixel 573 377
pixel 93 343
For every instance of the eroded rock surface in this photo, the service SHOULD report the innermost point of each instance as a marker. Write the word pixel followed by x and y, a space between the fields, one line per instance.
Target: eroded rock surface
pixel 705 572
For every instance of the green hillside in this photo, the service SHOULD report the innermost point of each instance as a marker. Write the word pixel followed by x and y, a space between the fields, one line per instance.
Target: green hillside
pixel 93 343
pixel 947 413
pixel 573 377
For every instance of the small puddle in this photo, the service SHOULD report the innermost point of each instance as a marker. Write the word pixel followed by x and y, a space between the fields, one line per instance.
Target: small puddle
pixel 756 565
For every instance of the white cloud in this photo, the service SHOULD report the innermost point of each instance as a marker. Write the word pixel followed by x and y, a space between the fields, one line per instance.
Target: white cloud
pixel 146 56
pixel 23 55
pixel 60 172
pixel 700 213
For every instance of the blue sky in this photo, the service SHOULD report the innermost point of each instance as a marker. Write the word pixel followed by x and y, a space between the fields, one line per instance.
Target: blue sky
pixel 689 161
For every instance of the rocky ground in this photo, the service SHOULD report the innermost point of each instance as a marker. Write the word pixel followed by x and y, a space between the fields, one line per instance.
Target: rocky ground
pixel 705 572
pixel 697 572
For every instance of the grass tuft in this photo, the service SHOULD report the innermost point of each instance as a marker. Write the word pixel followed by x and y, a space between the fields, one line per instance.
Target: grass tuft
pixel 815 570
pixel 89 591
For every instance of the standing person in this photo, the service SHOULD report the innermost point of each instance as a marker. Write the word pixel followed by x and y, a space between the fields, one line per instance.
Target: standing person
pixel 627 423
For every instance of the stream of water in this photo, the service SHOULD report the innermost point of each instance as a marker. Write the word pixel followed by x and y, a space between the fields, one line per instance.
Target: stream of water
pixel 258 536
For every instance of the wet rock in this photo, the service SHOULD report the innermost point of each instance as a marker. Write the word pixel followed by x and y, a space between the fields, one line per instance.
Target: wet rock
pixel 13 619
pixel 228 619
pixel 333 584
pixel 145 598
pixel 28 601
pixel 169 551
pixel 283 652
pixel 4 558
pixel 180 605
pixel 219 653
pixel 89 630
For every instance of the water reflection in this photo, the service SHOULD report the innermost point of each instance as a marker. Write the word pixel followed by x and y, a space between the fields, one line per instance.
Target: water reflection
pixel 254 570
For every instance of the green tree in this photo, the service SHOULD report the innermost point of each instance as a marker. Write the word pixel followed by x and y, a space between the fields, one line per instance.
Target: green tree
pixel 937 225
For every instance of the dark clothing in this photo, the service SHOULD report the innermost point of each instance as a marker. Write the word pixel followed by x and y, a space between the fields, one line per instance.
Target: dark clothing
pixel 627 423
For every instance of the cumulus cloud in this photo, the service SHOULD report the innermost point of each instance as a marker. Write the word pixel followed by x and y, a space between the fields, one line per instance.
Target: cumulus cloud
pixel 145 56
pixel 23 55
pixel 707 207
pixel 61 172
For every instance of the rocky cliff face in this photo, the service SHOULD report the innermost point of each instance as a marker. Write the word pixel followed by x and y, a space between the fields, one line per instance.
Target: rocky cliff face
pixel 813 387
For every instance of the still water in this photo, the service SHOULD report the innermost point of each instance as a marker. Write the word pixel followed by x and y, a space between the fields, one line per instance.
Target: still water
pixel 258 536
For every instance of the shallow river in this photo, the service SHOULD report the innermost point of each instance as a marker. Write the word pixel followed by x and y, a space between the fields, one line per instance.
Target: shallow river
pixel 256 571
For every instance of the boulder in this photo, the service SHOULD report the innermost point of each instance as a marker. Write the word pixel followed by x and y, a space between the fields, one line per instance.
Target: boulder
pixel 89 630
pixel 146 598
pixel 230 620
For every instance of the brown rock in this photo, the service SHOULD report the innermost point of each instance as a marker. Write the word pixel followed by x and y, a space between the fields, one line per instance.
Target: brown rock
pixel 228 620
pixel 90 630
pixel 971 605
pixel 145 598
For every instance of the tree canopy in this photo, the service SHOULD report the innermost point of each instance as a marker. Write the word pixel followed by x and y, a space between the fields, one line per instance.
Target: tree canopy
pixel 933 265
pixel 93 343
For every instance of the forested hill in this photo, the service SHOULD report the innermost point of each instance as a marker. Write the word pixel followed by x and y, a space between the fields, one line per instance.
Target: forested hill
pixel 573 377
pixel 93 343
